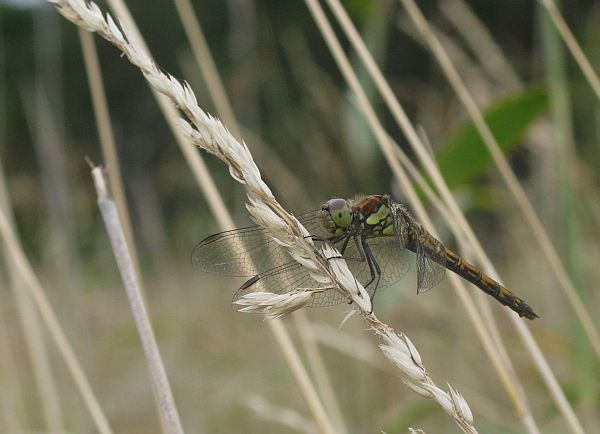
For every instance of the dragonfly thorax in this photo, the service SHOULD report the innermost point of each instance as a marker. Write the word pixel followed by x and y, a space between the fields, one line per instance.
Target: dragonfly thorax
pixel 371 215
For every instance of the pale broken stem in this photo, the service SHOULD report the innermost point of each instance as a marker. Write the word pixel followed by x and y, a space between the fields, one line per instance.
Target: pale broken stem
pixel 38 295
pixel 158 375
pixel 574 48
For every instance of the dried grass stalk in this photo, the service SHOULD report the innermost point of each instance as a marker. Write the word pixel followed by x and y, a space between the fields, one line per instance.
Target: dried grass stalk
pixel 161 388
pixel 38 295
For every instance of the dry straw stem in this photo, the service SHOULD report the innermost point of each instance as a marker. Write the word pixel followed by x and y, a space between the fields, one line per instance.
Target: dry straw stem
pixel 309 341
pixel 161 388
pixel 500 355
pixel 50 153
pixel 425 157
pixel 11 394
pixel 508 175
pixel 479 38
pixel 37 293
pixel 207 65
pixel 573 46
pixel 301 377
pixel 535 224
pixel 289 184
pixel 500 362
pixel 386 146
pixel 44 377
pixel 192 157
pixel 107 138
pixel 349 345
pixel 91 17
pixel 33 334
pixel 325 266
pixel 283 416
pixel 400 350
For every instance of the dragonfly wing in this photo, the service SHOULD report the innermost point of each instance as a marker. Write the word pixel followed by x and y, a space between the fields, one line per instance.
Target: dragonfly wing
pixel 311 222
pixel 393 259
pixel 244 252
pixel 431 255
pixel 288 278
pixel 402 222
pixel 391 256
pixel 240 252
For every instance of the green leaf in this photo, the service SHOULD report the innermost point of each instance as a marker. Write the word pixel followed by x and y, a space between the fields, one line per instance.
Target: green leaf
pixel 465 156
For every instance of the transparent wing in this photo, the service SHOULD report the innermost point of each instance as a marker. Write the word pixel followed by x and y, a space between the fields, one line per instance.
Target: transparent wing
pixel 401 221
pixel 431 253
pixel 392 258
pixel 431 260
pixel 287 278
pixel 240 252
pixel 244 252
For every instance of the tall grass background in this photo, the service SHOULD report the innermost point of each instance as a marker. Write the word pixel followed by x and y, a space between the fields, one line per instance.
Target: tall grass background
pixel 319 125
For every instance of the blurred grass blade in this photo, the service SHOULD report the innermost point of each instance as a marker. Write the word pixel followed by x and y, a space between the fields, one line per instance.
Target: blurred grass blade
pixel 358 137
pixel 465 156
pixel 38 294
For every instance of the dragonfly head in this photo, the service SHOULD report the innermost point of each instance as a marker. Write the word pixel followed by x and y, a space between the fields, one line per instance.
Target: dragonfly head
pixel 335 216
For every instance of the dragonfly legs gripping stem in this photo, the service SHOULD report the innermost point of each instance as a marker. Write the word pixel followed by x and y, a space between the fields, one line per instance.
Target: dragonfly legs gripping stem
pixel 367 255
pixel 375 274
pixel 365 252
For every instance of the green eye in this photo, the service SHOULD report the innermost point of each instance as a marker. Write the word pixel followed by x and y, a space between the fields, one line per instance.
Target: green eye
pixel 340 213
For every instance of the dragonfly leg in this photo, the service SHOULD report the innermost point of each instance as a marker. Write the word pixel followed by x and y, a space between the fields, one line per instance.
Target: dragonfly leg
pixel 367 255
pixel 363 248
pixel 371 258
pixel 374 268
pixel 330 240
pixel 345 245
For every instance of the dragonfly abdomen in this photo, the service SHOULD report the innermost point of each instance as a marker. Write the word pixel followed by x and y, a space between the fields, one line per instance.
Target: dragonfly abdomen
pixel 488 285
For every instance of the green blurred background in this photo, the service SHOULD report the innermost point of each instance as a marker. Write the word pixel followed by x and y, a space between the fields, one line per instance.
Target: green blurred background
pixel 300 121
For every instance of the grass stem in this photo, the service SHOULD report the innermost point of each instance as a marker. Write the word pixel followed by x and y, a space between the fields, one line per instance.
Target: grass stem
pixel 158 375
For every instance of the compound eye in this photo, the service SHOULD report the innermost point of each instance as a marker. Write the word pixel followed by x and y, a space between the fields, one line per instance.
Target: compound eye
pixel 339 212
pixel 336 205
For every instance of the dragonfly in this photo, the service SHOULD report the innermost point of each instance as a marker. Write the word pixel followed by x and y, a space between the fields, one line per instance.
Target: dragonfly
pixel 374 234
